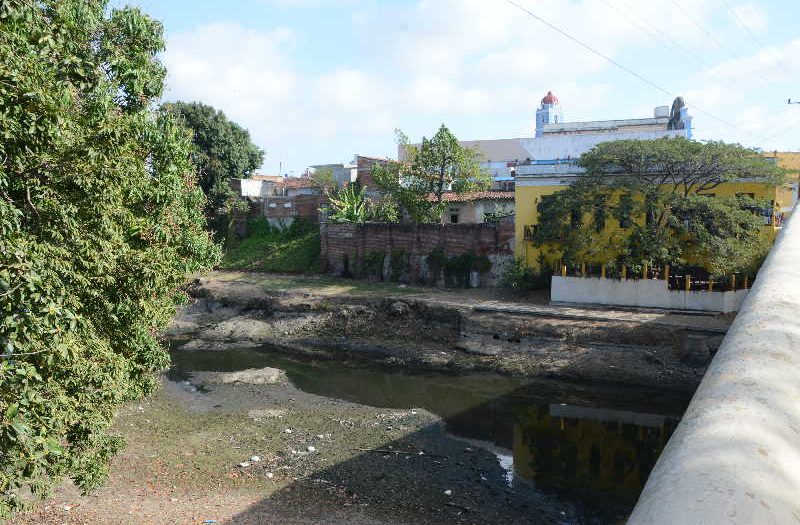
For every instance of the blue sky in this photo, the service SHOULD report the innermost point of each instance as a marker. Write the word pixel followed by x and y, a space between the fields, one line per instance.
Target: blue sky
pixel 318 81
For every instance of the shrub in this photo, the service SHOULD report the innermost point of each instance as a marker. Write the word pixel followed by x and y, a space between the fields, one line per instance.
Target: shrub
pixel 522 278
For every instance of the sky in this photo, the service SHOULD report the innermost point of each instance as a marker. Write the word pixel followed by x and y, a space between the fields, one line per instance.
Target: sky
pixel 318 81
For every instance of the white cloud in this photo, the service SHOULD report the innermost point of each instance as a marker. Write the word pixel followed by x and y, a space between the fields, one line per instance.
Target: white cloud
pixel 246 73
pixel 484 64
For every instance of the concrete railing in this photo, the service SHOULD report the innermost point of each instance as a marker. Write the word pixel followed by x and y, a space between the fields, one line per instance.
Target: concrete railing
pixel 735 457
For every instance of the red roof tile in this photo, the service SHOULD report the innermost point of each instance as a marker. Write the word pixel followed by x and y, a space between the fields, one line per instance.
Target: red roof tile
pixel 298 182
pixel 475 196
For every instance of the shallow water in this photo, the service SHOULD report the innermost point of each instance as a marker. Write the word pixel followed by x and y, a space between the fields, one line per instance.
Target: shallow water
pixel 593 447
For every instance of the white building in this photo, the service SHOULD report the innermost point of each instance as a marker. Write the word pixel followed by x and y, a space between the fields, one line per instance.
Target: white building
pixel 556 145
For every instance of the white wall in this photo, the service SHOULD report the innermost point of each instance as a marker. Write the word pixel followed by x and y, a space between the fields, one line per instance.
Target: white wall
pixel 644 293
pixel 256 188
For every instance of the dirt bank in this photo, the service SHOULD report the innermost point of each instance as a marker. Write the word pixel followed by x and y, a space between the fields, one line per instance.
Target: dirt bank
pixel 449 331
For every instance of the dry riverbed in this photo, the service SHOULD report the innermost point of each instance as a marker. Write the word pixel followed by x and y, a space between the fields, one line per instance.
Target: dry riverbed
pixel 216 448
pixel 249 447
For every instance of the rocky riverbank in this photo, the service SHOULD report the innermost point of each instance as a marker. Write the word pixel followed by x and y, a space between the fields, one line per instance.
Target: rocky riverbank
pixel 446 332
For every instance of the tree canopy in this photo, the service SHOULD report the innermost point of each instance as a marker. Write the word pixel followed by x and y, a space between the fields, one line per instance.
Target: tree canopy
pixel 659 192
pixel 100 226
pixel 437 165
pixel 222 151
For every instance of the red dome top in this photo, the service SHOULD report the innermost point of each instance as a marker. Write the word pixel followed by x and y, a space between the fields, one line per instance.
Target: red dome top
pixel 550 98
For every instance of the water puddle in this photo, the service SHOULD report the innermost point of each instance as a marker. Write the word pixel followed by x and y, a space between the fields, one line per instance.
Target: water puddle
pixel 593 447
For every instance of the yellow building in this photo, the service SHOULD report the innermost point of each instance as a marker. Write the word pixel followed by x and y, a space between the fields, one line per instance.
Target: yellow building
pixel 536 181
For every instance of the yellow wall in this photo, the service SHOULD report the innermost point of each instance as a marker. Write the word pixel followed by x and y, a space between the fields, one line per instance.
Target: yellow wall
pixel 527 198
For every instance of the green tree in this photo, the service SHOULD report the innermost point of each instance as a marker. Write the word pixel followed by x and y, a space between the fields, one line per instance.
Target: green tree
pixel 437 165
pixel 662 182
pixel 223 151
pixel 100 226
pixel 351 205
pixel 324 178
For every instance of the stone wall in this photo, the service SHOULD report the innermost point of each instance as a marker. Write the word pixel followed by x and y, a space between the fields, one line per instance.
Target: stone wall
pixel 402 252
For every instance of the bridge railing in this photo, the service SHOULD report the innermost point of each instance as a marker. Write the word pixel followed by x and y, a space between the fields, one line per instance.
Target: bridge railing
pixel 735 457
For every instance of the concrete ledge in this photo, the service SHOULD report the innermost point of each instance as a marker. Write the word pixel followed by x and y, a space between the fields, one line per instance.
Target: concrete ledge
pixel 735 457
pixel 642 293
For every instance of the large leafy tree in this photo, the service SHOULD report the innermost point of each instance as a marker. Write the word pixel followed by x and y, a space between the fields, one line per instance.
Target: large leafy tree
pixel 658 190
pixel 100 225
pixel 430 169
pixel 223 151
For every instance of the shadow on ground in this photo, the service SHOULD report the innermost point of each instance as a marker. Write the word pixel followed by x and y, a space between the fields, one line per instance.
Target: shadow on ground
pixel 545 452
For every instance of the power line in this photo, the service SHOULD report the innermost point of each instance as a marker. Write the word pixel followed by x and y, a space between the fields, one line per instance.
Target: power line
pixel 672 44
pixel 621 66
pixel 707 32
pixel 758 41
pixel 689 54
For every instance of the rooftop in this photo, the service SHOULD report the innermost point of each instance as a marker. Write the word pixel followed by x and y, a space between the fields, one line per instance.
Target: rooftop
pixel 605 125
pixel 473 196
pixel 298 182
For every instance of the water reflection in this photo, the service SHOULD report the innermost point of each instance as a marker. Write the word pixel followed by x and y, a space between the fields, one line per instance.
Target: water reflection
pixel 600 457
pixel 597 457
pixel 592 446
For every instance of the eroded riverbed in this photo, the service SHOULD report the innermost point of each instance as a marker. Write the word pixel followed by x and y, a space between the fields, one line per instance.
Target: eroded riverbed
pixel 506 448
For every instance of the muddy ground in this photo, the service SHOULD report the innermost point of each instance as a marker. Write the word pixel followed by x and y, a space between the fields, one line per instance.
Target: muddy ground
pixel 190 445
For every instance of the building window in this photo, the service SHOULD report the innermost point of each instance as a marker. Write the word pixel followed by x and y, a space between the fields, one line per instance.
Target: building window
pixel 454 215
pixel 287 205
pixel 625 211
pixel 599 213
pixel 575 218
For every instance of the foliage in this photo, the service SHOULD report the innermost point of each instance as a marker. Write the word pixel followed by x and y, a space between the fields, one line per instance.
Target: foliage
pixel 722 232
pixel 323 177
pixel 100 226
pixel 437 165
pixel 372 265
pixel 350 205
pixel 294 249
pixel 650 188
pixel 223 151
pixel 497 216
pixel 456 269
pixel 684 165
pixel 522 278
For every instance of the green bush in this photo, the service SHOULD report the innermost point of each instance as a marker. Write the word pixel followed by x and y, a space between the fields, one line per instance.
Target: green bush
pixel 522 278
pixel 372 265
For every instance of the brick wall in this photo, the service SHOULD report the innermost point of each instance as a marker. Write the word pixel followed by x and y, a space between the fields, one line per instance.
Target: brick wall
pixel 364 170
pixel 347 248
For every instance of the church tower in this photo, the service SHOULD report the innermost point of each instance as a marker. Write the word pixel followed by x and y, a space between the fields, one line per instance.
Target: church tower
pixel 549 112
